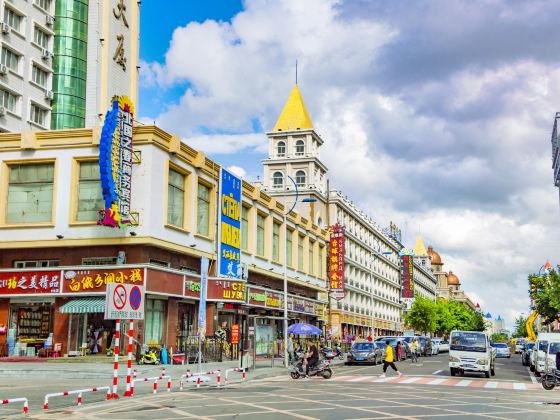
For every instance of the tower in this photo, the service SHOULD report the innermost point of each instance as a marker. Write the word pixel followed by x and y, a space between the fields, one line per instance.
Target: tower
pixel 293 151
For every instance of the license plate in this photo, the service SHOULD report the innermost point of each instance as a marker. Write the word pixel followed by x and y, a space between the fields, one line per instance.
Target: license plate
pixel 470 366
pixel 359 358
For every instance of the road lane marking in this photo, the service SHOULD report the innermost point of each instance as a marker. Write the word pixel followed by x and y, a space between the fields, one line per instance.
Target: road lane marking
pixel 409 380
pixel 359 379
pixel 519 385
pixel 437 371
pixel 437 381
pixel 491 384
pixel 464 382
pixel 532 376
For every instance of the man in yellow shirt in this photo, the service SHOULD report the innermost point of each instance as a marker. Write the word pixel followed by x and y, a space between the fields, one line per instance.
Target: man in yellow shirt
pixel 389 359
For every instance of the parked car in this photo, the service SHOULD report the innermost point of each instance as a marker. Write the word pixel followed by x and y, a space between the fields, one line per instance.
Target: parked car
pixel 393 341
pixel 520 345
pixel 540 350
pixel 526 353
pixel 502 350
pixel 442 345
pixel 366 352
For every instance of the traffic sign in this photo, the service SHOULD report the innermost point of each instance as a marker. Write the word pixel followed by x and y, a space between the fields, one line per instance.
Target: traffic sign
pixel 124 301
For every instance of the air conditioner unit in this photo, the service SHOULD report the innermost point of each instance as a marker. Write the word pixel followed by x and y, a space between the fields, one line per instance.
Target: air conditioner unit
pixel 49 20
pixel 3 69
pixel 5 28
pixel 46 54
pixel 2 110
pixel 49 95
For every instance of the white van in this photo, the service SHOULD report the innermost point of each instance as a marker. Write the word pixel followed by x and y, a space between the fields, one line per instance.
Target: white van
pixel 470 351
pixel 540 350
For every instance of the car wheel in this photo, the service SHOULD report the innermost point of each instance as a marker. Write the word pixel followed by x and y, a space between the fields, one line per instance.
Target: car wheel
pixel 375 361
pixel 532 368
pixel 487 374
pixel 493 371
pixel 453 372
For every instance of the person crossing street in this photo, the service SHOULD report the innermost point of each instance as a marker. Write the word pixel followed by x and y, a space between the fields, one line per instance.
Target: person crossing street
pixel 414 350
pixel 389 360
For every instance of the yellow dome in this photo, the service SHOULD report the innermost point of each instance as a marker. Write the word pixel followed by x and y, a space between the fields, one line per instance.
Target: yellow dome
pixel 452 279
pixel 436 259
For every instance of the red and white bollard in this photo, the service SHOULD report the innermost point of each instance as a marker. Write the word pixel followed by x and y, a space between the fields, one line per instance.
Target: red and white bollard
pixel 242 370
pixel 79 392
pixel 116 361
pixel 134 373
pixel 15 400
pixel 127 393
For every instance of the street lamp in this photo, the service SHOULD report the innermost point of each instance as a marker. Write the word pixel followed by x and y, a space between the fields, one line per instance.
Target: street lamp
pixel 305 200
pixel 377 253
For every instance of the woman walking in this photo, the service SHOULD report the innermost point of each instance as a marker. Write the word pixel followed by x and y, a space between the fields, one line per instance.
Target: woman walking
pixel 399 351
pixel 389 360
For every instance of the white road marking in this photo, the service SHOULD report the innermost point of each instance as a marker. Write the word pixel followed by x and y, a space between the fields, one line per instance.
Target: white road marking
pixel 532 376
pixel 359 378
pixel 437 371
pixel 519 385
pixel 409 380
pixel 491 384
pixel 437 381
pixel 464 382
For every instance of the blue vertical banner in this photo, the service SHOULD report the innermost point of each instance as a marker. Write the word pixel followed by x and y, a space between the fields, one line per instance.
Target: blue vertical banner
pixel 229 226
pixel 204 263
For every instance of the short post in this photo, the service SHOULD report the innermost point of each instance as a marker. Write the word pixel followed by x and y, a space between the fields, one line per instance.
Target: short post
pixel 79 401
pixel 116 361
pixel 129 362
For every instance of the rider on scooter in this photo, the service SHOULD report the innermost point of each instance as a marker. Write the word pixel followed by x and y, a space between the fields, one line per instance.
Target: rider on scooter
pixel 312 358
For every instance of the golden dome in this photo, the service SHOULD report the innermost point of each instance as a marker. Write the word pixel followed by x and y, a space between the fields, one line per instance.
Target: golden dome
pixel 452 279
pixel 436 259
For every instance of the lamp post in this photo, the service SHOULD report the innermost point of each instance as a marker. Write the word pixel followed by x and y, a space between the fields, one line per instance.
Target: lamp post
pixel 377 253
pixel 305 200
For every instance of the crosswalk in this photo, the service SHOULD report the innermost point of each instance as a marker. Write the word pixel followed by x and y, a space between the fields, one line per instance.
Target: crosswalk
pixel 428 381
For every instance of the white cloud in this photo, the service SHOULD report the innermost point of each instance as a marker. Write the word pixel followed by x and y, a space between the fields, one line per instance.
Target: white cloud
pixel 228 143
pixel 237 170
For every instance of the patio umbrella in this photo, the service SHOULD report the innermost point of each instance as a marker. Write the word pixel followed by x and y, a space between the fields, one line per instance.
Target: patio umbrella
pixel 303 328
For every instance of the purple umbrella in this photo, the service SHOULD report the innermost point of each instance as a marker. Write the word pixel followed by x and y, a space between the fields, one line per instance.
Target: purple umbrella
pixel 303 328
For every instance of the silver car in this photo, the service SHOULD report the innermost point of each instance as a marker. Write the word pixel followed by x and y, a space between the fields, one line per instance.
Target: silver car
pixel 366 352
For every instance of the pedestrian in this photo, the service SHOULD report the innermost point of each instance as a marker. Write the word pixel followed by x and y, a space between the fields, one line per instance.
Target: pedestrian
pixel 414 350
pixel 291 353
pixel 311 359
pixel 389 360
pixel 399 351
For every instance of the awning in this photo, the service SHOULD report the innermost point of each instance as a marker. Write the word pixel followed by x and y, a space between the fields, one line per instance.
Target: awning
pixel 83 306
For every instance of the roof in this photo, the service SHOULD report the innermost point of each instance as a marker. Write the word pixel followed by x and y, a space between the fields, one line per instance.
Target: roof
pixel 436 259
pixel 488 315
pixel 294 116
pixel 419 248
pixel 452 279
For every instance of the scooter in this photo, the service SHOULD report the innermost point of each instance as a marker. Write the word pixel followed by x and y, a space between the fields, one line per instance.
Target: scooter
pixel 550 379
pixel 321 369
pixel 149 356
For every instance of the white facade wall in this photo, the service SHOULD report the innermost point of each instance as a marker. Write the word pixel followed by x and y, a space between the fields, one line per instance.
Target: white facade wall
pixel 425 283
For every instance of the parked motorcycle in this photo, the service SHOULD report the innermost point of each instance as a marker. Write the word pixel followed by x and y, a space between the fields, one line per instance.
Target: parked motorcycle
pixel 321 369
pixel 149 356
pixel 550 379
pixel 330 354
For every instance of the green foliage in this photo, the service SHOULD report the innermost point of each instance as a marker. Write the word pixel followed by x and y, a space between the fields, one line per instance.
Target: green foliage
pixel 520 327
pixel 422 315
pixel 478 322
pixel 500 338
pixel 546 292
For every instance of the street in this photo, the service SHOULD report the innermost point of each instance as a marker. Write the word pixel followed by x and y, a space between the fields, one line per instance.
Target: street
pixel 425 391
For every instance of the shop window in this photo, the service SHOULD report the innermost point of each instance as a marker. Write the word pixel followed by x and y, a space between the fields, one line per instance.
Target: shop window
pixel 36 263
pixel 276 242
pixel 155 316
pixel 244 228
pixel 176 199
pixel 300 252
pixel 289 247
pixel 90 196
pixel 203 210
pixel 30 193
pixel 99 261
pixel 260 235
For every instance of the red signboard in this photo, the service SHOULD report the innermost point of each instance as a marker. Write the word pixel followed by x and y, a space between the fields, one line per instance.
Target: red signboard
pixel 228 290
pixel 84 281
pixel 336 262
pixel 29 282
pixel 407 277
pixel 235 334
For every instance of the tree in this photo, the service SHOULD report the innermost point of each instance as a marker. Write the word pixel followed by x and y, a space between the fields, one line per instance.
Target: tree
pixel 545 290
pixel 499 338
pixel 478 322
pixel 520 327
pixel 422 315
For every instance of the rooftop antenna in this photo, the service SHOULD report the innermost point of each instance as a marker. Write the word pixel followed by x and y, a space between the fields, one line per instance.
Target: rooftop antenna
pixel 296 71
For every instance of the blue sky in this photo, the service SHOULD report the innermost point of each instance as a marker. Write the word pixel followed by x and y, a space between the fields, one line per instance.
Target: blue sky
pixel 435 115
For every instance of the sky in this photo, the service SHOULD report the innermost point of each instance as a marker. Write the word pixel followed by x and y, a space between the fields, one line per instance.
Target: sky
pixel 436 115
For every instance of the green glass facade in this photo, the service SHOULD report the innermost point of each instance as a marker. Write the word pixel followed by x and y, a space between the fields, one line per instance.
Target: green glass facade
pixel 70 64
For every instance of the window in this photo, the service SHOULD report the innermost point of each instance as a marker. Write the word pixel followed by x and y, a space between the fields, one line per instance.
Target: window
pixel 90 196
pixel 159 263
pixel 10 59
pixel 203 210
pixel 281 149
pixel 176 198
pixel 99 261
pixel 9 100
pixel 30 193
pixel 155 315
pixel 40 38
pixel 289 247
pixel 244 228
pixel 39 76
pixel 276 242
pixel 260 235
pixel 12 19
pixel 300 252
pixel 44 4
pixel 320 267
pixel 300 147
pixel 37 114
pixel 311 258
pixel 36 263
pixel 300 178
pixel 277 180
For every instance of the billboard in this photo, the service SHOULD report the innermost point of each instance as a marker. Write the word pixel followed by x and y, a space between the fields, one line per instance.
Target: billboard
pixel 115 163
pixel 407 276
pixel 229 226
pixel 336 262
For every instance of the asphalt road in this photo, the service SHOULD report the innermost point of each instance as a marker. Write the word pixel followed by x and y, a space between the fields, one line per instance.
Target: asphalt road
pixel 354 392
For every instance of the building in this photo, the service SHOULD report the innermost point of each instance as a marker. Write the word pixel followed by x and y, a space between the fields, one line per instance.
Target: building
pixel 556 152
pixel 499 325
pixel 371 279
pixel 425 282
pixel 26 64
pixel 55 260
pixel 63 60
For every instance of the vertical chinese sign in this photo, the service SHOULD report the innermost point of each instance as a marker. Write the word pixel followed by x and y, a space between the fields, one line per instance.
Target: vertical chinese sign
pixel 115 163
pixel 229 226
pixel 204 263
pixel 336 262
pixel 407 276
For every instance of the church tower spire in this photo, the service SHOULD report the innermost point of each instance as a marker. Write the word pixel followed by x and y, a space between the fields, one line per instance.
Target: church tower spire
pixel 294 116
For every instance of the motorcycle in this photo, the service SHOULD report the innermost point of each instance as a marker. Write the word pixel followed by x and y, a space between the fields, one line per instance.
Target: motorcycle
pixel 149 356
pixel 321 369
pixel 330 354
pixel 550 379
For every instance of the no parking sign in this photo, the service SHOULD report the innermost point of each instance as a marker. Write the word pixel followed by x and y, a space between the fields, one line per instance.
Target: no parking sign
pixel 124 301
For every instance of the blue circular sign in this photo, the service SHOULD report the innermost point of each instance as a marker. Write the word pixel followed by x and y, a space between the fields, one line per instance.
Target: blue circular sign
pixel 135 298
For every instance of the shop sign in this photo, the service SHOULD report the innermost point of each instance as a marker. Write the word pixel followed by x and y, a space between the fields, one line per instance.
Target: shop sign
pixel 221 289
pixel 257 297
pixel 298 305
pixel 192 287
pixel 29 282
pixel 115 163
pixel 336 262
pixel 273 300
pixel 235 334
pixel 83 281
pixel 309 307
pixel 407 276
pixel 229 226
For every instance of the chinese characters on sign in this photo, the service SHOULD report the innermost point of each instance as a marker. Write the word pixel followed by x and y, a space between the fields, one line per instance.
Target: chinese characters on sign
pixel 119 14
pixel 235 334
pixel 336 262
pixel 29 282
pixel 115 163
pixel 97 280
pixel 407 278
pixel 229 222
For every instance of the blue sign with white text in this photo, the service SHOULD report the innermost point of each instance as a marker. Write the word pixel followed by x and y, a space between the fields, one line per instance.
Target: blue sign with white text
pixel 229 226
pixel 204 264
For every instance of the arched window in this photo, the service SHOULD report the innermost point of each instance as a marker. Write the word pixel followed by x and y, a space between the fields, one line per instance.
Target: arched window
pixel 300 147
pixel 281 148
pixel 300 178
pixel 277 180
